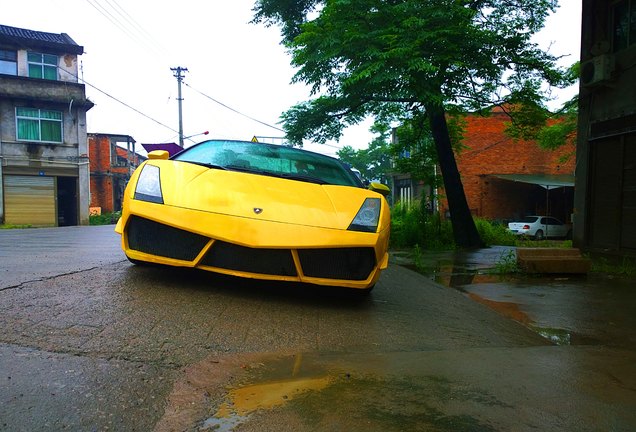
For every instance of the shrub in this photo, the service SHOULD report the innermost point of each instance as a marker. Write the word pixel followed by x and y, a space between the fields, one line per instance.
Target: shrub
pixel 493 233
pixel 105 218
pixel 412 225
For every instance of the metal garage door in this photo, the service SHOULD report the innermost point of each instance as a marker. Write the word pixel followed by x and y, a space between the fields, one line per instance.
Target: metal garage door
pixel 29 200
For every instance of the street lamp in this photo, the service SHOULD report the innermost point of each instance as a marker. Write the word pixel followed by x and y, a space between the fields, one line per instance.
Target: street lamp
pixel 197 134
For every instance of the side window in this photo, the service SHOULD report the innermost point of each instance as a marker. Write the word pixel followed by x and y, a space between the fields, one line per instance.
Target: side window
pixel 42 66
pixel 8 62
pixel 33 124
pixel 623 24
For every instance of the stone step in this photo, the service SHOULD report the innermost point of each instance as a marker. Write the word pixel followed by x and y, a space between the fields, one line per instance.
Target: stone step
pixel 552 260
pixel 548 252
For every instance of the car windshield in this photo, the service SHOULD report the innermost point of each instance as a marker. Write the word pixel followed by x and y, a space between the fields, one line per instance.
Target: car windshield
pixel 270 159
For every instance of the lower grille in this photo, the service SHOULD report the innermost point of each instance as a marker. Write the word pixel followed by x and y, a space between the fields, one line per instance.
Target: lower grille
pixel 264 261
pixel 337 263
pixel 158 239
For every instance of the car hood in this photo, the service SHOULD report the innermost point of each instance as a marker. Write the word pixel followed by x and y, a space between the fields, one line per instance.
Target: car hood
pixel 261 197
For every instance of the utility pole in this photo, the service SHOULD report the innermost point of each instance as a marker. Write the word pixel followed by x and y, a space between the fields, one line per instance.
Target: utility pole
pixel 177 72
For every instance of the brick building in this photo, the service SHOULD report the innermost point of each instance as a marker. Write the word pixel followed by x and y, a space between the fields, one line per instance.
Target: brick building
pixel 505 178
pixel 112 160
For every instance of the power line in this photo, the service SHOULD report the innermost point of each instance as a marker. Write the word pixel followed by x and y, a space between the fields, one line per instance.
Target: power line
pixel 110 17
pixel 232 109
pixel 148 37
pixel 132 29
pixel 128 106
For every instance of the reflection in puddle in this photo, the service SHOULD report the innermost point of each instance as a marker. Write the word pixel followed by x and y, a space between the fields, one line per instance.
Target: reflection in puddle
pixel 243 401
pixel 507 309
pixel 554 335
pixel 461 271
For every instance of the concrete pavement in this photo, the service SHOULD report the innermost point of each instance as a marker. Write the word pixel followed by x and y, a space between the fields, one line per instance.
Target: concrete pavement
pixel 90 342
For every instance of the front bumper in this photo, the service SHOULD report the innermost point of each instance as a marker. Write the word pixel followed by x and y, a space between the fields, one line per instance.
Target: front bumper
pixel 252 248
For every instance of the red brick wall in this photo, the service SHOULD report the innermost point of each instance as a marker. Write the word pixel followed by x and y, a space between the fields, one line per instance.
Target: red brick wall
pixel 102 173
pixel 490 151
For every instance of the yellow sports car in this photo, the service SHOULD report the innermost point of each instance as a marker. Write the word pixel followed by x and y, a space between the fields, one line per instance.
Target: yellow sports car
pixel 259 211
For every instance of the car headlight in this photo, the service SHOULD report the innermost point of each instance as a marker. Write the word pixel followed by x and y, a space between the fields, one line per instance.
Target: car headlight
pixel 368 216
pixel 149 185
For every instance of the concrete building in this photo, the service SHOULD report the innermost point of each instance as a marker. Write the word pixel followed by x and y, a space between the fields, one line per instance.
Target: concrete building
pixel 605 197
pixel 113 159
pixel 43 141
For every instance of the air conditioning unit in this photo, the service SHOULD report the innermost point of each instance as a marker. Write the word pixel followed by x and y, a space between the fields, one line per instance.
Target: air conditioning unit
pixel 597 70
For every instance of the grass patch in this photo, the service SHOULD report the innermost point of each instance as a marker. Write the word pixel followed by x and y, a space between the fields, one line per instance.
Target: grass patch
pixel 14 226
pixel 625 267
pixel 506 264
pixel 521 242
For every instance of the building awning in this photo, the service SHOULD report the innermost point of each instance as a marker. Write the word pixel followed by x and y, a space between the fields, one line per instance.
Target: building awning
pixel 546 181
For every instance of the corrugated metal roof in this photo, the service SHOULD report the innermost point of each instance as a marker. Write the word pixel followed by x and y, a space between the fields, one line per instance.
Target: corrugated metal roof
pixel 26 38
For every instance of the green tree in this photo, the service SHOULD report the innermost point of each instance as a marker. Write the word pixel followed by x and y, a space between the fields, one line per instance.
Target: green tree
pixel 374 161
pixel 532 120
pixel 410 60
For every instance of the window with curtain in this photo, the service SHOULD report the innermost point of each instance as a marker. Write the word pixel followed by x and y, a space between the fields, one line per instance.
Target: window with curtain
pixel 8 62
pixel 33 124
pixel 42 65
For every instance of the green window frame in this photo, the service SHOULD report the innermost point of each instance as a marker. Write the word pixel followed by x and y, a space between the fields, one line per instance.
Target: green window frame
pixel 42 65
pixel 33 124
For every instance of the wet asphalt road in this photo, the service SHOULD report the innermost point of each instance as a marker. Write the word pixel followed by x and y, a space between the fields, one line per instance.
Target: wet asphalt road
pixel 90 342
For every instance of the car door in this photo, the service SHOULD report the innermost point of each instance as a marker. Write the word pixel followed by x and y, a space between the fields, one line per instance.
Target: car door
pixel 554 227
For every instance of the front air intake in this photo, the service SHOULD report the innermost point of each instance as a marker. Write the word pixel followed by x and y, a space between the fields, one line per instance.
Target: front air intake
pixel 155 238
pixel 337 263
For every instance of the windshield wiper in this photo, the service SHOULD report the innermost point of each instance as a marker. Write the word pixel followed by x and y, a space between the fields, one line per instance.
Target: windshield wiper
pixel 207 165
pixel 303 177
pixel 289 176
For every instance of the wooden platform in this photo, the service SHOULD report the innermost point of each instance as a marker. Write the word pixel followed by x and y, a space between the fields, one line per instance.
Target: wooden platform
pixel 553 260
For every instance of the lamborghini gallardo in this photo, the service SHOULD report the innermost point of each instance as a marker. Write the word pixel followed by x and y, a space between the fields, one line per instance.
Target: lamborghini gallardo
pixel 257 210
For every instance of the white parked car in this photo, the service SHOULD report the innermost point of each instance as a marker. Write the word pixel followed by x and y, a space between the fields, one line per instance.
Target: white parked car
pixel 540 227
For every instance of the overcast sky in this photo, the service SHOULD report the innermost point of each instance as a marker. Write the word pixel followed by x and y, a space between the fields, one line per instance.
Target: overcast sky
pixel 131 45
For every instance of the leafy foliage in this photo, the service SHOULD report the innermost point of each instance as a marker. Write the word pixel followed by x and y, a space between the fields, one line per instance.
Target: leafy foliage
pixel 105 218
pixel 412 61
pixel 531 120
pixel 373 162
pixel 413 225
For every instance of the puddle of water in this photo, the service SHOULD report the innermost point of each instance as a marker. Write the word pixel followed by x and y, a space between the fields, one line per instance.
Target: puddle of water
pixel 507 309
pixel 460 274
pixel 555 335
pixel 243 401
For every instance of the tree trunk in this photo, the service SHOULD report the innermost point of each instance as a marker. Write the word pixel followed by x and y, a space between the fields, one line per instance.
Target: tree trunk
pixel 464 230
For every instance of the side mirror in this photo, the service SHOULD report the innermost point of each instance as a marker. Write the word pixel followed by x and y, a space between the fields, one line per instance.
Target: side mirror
pixel 379 188
pixel 159 154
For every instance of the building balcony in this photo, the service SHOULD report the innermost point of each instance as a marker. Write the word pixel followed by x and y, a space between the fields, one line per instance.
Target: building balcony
pixel 55 92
